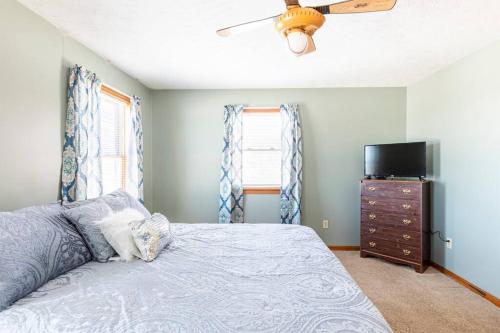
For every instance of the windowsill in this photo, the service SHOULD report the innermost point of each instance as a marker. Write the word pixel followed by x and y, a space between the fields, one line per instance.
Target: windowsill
pixel 261 190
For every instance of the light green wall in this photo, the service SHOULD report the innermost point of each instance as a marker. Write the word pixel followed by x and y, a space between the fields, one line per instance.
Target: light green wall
pixel 34 62
pixel 458 111
pixel 187 144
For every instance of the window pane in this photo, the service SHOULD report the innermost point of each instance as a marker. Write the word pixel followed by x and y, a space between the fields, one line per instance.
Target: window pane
pixel 112 173
pixel 112 127
pixel 113 145
pixel 261 130
pixel 261 168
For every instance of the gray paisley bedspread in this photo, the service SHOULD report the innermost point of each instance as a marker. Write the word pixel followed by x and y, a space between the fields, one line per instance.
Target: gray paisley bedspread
pixel 212 278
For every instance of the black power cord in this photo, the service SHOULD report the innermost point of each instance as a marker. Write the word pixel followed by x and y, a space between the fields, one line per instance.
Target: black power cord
pixel 439 235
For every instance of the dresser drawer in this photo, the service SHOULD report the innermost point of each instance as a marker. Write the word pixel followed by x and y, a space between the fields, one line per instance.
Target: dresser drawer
pixel 400 221
pixel 397 250
pixel 397 235
pixel 390 189
pixel 395 206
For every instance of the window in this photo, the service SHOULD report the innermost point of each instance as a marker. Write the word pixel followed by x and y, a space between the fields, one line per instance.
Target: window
pixel 261 150
pixel 114 124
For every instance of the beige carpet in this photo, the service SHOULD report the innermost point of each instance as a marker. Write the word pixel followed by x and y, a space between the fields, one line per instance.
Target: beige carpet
pixel 429 302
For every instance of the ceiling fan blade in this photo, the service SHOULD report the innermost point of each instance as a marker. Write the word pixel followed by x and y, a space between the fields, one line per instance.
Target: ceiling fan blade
pixel 357 6
pixel 244 26
pixel 292 3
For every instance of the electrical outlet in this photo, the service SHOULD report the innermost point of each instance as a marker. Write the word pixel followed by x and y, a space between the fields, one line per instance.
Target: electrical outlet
pixel 325 224
pixel 449 244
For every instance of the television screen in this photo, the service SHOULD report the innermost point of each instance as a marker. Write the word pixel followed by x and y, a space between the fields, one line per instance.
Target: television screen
pixel 398 160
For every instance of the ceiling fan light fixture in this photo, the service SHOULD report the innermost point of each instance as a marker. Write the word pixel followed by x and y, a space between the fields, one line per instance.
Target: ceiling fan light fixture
pixel 298 41
pixel 297 25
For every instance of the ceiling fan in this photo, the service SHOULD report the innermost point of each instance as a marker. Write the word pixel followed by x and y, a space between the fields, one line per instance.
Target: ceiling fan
pixel 298 24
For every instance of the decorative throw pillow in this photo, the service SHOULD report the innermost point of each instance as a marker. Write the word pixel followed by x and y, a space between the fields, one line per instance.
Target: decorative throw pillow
pixel 37 244
pixel 119 200
pixel 116 230
pixel 85 219
pixel 151 235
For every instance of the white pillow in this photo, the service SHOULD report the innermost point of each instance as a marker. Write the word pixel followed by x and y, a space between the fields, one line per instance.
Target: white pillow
pixel 115 229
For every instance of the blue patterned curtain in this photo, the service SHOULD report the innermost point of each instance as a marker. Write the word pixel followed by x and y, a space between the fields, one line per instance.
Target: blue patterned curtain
pixel 231 187
pixel 135 179
pixel 291 164
pixel 81 165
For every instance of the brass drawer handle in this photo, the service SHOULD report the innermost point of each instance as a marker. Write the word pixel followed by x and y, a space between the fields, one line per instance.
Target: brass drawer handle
pixel 406 191
pixel 372 188
pixel 406 206
pixel 406 252
pixel 372 216
pixel 372 244
pixel 372 203
pixel 372 230
pixel 407 237
pixel 406 221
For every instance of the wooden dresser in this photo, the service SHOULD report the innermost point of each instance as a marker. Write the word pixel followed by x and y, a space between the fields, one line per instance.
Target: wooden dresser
pixel 395 221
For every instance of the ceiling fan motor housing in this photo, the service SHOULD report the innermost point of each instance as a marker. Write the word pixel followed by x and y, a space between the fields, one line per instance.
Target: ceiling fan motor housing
pixel 306 19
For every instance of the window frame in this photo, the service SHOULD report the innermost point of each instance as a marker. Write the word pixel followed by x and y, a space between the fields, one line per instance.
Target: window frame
pixel 261 189
pixel 121 97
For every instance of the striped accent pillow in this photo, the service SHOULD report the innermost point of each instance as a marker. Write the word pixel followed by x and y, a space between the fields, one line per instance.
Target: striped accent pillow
pixel 151 235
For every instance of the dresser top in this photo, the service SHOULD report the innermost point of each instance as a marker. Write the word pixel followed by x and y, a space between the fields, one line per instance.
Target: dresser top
pixel 395 181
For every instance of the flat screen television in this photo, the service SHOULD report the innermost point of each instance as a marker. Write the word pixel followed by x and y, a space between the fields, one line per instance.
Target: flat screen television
pixel 396 160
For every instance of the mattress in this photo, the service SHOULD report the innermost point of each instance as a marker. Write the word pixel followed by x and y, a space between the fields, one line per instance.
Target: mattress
pixel 212 278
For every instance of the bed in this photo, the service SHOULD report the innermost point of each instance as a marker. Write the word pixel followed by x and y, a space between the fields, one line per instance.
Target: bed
pixel 212 278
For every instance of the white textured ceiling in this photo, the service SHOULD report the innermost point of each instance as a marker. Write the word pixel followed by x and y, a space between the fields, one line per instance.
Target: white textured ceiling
pixel 169 44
